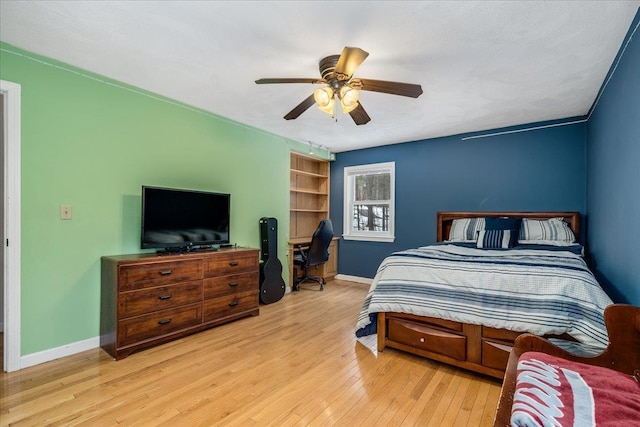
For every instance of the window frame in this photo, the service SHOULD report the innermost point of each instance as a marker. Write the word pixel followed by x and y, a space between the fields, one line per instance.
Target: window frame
pixel 349 195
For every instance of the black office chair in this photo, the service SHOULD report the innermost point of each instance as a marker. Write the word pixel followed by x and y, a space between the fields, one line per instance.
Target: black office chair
pixel 317 254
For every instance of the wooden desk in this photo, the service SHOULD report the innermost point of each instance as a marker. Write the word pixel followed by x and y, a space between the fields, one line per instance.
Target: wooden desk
pixel 327 270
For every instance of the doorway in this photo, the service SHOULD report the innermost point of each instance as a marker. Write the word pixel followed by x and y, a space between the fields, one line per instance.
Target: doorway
pixel 10 243
pixel 2 144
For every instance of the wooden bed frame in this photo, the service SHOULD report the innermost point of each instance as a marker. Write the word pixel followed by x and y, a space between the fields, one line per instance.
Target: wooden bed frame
pixel 475 347
pixel 622 353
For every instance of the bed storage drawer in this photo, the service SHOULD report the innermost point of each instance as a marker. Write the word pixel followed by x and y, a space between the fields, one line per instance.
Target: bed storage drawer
pixel 500 334
pixel 424 337
pixel 495 354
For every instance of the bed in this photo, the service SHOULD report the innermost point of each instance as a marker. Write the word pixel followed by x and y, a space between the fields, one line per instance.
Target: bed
pixel 459 304
pixel 540 386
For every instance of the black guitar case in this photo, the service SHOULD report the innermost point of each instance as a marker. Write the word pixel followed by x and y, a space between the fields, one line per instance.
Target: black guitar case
pixel 272 287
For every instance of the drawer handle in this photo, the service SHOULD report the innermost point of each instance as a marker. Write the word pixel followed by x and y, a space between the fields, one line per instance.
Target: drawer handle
pixel 233 304
pixel 163 297
pixel 233 284
pixel 165 272
pixel 164 322
pixel 233 264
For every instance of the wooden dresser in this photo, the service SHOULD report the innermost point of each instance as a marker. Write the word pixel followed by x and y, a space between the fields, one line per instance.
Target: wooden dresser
pixel 149 299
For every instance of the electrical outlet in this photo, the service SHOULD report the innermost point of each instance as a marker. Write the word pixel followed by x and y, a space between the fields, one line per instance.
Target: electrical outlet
pixel 65 212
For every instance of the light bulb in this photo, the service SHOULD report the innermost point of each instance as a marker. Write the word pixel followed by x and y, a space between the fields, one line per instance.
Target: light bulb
pixel 349 108
pixel 323 96
pixel 327 108
pixel 348 95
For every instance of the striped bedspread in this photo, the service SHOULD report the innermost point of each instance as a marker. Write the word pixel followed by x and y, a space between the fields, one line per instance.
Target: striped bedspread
pixel 537 291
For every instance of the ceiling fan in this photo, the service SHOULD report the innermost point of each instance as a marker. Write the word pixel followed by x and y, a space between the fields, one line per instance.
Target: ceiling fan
pixel 336 73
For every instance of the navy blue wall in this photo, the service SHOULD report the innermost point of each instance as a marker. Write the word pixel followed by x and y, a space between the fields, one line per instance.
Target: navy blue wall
pixel 613 179
pixel 536 170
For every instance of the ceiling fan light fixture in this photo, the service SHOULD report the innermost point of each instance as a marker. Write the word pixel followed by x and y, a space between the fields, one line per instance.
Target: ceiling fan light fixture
pixel 323 96
pixel 327 108
pixel 349 98
pixel 348 95
pixel 346 109
pixel 336 73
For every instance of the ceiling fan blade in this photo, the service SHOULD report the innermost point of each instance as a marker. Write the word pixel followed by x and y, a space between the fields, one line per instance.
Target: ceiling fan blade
pixel 349 61
pixel 359 115
pixel 300 108
pixel 394 88
pixel 288 80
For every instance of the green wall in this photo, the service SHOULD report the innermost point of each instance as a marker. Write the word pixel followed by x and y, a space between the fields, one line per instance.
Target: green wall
pixel 93 145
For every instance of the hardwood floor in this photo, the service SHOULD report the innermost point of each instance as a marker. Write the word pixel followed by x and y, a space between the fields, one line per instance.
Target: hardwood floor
pixel 297 363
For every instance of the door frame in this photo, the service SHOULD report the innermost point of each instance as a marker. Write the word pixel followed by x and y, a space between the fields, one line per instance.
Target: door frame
pixel 12 264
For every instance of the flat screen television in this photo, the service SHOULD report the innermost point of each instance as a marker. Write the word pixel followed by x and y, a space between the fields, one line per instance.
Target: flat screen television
pixel 180 220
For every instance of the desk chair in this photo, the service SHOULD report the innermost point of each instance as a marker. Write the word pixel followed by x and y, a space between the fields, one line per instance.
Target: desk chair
pixel 317 254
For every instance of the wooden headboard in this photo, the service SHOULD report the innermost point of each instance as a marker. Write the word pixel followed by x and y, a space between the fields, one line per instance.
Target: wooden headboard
pixel 445 219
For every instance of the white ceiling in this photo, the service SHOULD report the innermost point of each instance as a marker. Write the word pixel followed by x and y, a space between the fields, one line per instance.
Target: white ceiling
pixel 482 64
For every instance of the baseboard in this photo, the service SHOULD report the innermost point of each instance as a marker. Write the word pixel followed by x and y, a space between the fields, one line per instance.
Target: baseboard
pixel 356 279
pixel 91 343
pixel 58 352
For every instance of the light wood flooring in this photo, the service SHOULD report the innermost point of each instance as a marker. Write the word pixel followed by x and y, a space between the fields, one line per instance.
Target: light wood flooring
pixel 297 363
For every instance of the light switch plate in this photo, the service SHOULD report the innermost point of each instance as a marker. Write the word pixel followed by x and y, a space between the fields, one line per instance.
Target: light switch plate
pixel 65 212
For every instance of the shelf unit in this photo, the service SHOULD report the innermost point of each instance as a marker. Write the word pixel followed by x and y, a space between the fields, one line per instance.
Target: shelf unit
pixel 309 191
pixel 309 195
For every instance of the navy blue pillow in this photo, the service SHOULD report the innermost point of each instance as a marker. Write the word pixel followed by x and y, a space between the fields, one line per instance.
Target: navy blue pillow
pixel 497 239
pixel 491 223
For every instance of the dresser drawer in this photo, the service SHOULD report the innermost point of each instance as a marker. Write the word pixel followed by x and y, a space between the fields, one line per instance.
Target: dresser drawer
pixel 135 329
pixel 137 276
pixel 218 308
pixel 134 303
pixel 231 263
pixel 426 338
pixel 230 285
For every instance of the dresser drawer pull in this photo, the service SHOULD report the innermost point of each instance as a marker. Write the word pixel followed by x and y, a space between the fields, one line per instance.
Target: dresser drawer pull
pixel 163 297
pixel 233 284
pixel 164 322
pixel 233 304
pixel 233 264
pixel 165 272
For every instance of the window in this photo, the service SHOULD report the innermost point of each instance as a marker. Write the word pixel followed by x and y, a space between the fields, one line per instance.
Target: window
pixel 369 202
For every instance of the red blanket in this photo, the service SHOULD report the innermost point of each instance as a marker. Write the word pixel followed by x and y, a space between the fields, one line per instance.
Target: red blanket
pixel 551 391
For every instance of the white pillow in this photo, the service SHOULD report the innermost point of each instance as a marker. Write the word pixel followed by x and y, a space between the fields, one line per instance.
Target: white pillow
pixel 553 230
pixel 466 229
